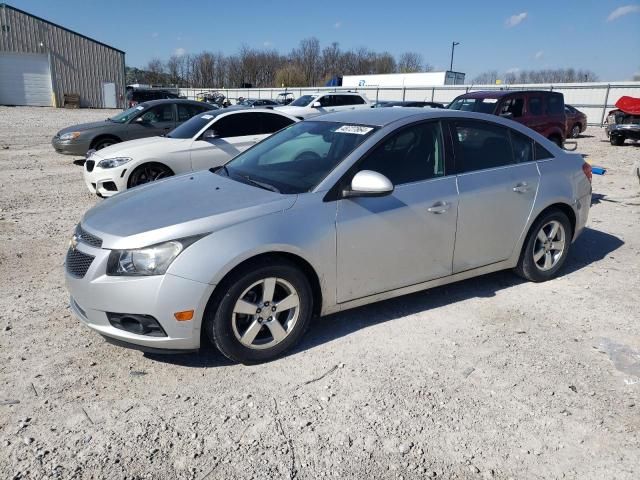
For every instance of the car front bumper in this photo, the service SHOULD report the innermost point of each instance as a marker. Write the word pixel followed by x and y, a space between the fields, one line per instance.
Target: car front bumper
pixel 104 182
pixel 160 296
pixel 76 147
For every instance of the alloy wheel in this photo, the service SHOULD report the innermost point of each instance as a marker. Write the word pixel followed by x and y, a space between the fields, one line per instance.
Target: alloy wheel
pixel 150 173
pixel 549 245
pixel 265 313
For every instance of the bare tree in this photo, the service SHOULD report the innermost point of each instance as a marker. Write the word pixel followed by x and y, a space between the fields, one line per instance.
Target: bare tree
pixel 410 62
pixel 290 75
pixel 155 70
pixel 486 78
pixel 307 57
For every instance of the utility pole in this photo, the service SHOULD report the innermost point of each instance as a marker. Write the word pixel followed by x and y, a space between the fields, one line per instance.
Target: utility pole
pixel 453 47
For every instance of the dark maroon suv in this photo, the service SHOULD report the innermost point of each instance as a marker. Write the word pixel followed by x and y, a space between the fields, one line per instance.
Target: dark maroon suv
pixel 539 110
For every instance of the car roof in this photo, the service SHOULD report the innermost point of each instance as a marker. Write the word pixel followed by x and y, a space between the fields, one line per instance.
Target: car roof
pixel 152 103
pixel 381 117
pixel 500 93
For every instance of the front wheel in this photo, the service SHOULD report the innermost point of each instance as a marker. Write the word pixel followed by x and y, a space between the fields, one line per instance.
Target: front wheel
pixel 546 247
pixel 616 140
pixel 260 311
pixel 575 131
pixel 148 172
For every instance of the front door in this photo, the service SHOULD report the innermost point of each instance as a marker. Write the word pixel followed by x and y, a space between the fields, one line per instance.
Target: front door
pixel 155 121
pixel 235 133
pixel 109 95
pixel 385 243
pixel 497 184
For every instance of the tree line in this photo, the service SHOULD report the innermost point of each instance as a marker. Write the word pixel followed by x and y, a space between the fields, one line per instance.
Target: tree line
pixel 306 65
pixel 557 75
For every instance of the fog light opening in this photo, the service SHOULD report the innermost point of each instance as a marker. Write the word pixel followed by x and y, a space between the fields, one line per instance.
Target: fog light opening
pixel 138 324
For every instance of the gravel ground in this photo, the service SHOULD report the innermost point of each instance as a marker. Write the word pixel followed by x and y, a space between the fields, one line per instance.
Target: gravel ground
pixel 488 378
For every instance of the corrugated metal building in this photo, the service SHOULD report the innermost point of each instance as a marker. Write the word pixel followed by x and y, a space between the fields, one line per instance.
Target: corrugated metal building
pixel 40 62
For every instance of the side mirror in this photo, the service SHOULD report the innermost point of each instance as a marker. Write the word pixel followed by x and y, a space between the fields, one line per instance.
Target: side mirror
pixel 367 183
pixel 316 105
pixel 141 119
pixel 210 133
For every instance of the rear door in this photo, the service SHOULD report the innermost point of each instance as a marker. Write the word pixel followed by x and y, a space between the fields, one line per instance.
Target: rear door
pixel 155 121
pixel 348 102
pixel 497 182
pixel 234 134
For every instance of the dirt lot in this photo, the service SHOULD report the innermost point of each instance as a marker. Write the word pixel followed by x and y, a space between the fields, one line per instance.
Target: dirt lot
pixel 488 378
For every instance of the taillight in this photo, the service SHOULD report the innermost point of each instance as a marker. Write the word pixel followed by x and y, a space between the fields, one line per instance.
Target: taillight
pixel 586 168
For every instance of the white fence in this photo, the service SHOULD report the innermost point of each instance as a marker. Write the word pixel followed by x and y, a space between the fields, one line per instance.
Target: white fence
pixel 594 99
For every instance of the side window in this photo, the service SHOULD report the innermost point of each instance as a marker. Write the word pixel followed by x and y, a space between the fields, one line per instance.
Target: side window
pixel 514 106
pixel 238 125
pixel 411 155
pixel 554 104
pixel 159 114
pixel 185 112
pixel 354 100
pixel 480 145
pixel 541 152
pixel 272 122
pixel 535 106
pixel 327 101
pixel 522 147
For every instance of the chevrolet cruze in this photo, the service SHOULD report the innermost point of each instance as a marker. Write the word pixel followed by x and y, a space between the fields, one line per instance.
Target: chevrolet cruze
pixel 328 214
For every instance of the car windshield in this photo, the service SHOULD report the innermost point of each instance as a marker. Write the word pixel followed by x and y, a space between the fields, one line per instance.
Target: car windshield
pixel 246 102
pixel 192 126
pixel 480 105
pixel 296 159
pixel 302 101
pixel 124 117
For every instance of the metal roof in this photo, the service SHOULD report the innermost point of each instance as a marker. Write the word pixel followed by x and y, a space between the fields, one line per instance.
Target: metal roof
pixel 5 5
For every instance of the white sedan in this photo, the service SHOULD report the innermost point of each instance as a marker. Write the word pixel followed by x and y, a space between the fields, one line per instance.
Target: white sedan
pixel 205 141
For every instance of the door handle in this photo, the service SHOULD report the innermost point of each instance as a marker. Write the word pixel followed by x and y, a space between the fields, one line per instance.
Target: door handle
pixel 438 207
pixel 521 187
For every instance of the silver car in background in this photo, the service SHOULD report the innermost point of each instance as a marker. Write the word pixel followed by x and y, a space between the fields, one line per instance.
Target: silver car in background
pixel 328 214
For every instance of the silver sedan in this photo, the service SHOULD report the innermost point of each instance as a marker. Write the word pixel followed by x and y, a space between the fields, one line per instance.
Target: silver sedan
pixel 341 211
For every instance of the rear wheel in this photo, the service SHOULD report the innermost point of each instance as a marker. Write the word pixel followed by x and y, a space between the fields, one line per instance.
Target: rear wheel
pixel 575 131
pixel 546 247
pixel 260 311
pixel 616 140
pixel 148 172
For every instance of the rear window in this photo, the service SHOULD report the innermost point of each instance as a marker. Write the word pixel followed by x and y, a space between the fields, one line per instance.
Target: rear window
pixel 480 105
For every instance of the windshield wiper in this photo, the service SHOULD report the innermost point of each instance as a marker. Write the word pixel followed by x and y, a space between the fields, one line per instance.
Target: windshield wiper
pixel 266 186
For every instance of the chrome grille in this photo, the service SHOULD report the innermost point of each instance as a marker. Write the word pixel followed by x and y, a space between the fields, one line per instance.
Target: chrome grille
pixel 85 237
pixel 77 262
pixel 89 164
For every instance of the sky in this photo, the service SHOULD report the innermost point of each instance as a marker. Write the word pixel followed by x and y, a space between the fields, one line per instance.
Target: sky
pixel 599 35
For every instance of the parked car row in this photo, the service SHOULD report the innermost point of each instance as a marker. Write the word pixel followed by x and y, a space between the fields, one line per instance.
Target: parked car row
pixel 257 241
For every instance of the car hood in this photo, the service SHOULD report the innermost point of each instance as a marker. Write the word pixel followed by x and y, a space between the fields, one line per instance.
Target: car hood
pixel 133 147
pixel 81 127
pixel 179 207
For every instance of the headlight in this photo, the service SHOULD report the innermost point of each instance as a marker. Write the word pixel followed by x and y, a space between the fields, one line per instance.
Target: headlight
pixel 69 136
pixel 113 162
pixel 153 260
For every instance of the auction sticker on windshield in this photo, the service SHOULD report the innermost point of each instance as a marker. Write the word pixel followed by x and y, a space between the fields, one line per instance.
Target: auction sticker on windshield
pixel 206 117
pixel 357 129
pixel 140 107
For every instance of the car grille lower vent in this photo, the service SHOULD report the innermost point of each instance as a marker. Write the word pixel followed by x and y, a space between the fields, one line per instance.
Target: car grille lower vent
pixel 89 164
pixel 85 237
pixel 78 263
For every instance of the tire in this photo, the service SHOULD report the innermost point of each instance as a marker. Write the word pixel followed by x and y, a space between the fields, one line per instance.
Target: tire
pixel 557 140
pixel 104 143
pixel 253 337
pixel 540 261
pixel 616 140
pixel 575 131
pixel 148 172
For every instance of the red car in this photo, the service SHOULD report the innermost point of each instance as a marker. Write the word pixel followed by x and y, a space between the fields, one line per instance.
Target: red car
pixel 540 110
pixel 576 121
